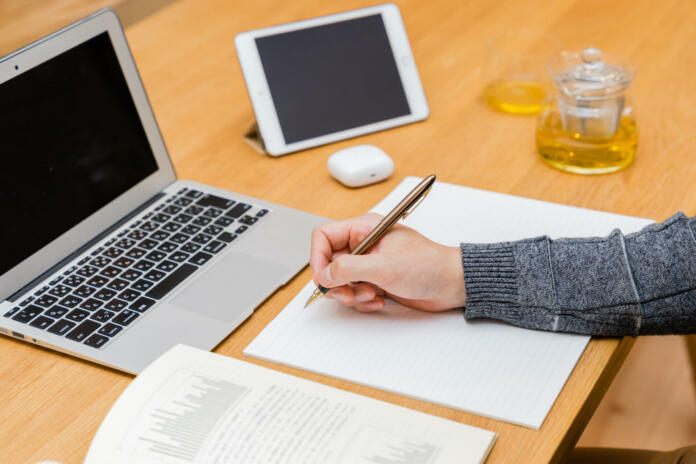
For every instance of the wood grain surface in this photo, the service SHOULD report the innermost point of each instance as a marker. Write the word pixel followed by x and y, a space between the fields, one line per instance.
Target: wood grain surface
pixel 51 405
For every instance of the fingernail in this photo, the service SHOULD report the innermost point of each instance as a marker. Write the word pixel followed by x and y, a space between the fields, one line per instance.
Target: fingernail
pixel 324 277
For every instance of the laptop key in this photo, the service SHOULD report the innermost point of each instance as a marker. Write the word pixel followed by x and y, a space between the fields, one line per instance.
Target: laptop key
pixel 142 285
pixel 214 246
pixel 194 193
pixel 172 280
pixel 113 252
pixel 149 226
pixel 118 284
pixel 129 295
pixel 77 315
pixel 142 304
pixel 262 213
pixel 61 327
pixel 213 230
pixel 143 265
pixel 12 311
pixel 105 294
pixel 98 281
pixel 183 218
pixel 42 322
pixel 125 243
pixel 238 210
pixel 189 229
pixel 110 330
pixel 123 262
pixel 70 301
pixel 56 280
pixel 73 280
pixel 90 304
pixel 87 271
pixel 179 238
pixel 226 237
pixel 27 301
pixel 148 244
pixel 115 305
pixel 212 213
pixel 155 255
pixel 155 275
pixel 160 235
pixel 42 290
pixel 223 221
pixel 166 266
pixel 56 312
pixel 190 247
pixel 161 217
pixel 248 220
pixel 100 261
pixel 110 271
pixel 212 200
pixel 171 227
pixel 46 300
pixel 102 315
pixel 202 238
pixel 84 291
pixel 171 209
pixel 167 247
pixel 96 341
pixel 136 253
pixel 137 234
pixel 110 242
pixel 182 201
pixel 131 274
pixel 241 229
pixel 179 256
pixel 200 258
pixel 83 261
pixel 27 314
pixel 125 317
pixel 194 210
pixel 60 290
pixel 81 332
pixel 201 221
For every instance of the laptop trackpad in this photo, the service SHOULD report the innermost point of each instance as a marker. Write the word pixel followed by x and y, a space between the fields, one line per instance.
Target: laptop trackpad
pixel 232 287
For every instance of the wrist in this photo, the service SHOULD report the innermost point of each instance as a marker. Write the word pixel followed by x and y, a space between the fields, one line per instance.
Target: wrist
pixel 455 277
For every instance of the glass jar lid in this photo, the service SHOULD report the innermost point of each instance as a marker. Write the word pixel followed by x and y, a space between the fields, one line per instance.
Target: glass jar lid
pixel 590 75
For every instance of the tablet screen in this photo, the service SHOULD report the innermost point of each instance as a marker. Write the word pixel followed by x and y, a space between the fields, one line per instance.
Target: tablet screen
pixel 334 77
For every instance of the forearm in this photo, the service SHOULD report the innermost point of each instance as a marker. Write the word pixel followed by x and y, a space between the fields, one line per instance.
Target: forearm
pixel 641 283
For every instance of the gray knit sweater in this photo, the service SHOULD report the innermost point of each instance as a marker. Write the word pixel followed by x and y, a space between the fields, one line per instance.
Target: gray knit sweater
pixel 641 283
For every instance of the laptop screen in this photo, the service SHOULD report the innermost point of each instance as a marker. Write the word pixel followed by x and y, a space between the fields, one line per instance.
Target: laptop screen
pixel 71 141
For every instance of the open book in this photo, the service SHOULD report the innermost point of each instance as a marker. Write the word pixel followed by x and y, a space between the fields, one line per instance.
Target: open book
pixel 192 406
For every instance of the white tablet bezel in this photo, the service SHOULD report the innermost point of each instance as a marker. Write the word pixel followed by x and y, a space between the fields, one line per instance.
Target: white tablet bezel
pixel 260 95
pixel 43 50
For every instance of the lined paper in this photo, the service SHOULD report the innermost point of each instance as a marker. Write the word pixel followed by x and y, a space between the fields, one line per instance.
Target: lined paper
pixel 483 367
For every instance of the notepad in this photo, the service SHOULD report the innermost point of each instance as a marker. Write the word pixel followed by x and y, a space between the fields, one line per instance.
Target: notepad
pixel 483 367
pixel 193 406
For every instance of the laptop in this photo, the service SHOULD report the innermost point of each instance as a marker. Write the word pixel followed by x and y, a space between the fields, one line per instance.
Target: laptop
pixel 105 254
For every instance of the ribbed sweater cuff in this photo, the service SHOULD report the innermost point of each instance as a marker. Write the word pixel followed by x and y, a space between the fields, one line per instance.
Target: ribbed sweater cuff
pixel 492 273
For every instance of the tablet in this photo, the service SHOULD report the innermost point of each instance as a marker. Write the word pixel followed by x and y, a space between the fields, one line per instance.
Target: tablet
pixel 331 78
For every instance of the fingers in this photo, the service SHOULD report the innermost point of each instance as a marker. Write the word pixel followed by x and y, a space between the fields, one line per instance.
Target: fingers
pixel 363 296
pixel 350 268
pixel 338 235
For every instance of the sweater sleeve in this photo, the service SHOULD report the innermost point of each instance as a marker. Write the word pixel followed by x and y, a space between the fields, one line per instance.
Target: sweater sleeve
pixel 637 284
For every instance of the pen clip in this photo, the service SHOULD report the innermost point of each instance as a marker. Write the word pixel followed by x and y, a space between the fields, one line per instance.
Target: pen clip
pixel 415 205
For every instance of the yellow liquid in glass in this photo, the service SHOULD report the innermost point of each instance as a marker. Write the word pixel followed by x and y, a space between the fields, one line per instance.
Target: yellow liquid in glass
pixel 581 155
pixel 516 96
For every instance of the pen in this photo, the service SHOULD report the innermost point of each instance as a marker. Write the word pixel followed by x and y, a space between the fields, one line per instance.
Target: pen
pixel 400 211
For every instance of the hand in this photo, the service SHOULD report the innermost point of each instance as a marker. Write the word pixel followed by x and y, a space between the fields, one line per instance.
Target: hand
pixel 403 265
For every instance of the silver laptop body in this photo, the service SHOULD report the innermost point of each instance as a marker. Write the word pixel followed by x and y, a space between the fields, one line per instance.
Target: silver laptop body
pixel 106 255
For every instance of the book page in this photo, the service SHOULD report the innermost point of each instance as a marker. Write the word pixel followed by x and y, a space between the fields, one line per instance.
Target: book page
pixel 191 406
pixel 484 367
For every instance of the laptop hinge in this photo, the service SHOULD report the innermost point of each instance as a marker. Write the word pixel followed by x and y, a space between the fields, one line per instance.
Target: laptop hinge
pixel 30 286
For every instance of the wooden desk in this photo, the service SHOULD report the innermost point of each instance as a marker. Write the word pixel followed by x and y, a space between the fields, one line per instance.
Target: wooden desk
pixel 51 405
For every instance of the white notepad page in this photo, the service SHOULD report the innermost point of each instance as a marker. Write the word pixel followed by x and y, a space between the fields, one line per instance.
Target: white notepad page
pixel 484 367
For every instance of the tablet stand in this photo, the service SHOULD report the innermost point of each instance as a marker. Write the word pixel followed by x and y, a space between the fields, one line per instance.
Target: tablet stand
pixel 253 137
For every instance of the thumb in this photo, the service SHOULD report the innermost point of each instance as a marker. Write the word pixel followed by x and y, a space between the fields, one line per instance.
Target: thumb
pixel 351 268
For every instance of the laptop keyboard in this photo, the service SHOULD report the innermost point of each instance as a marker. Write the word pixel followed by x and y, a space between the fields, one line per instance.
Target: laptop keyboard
pixel 110 288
